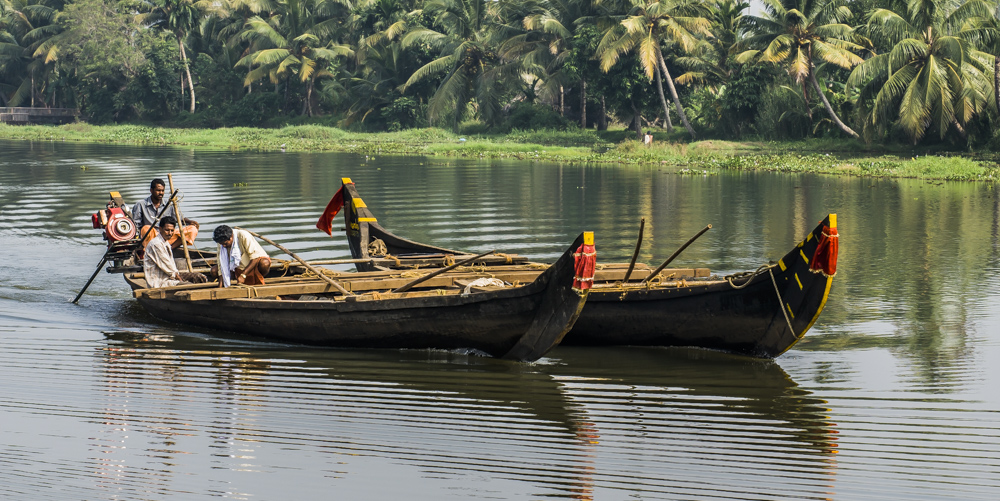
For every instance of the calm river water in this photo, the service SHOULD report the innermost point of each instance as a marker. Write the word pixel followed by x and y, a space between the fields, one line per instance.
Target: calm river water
pixel 892 395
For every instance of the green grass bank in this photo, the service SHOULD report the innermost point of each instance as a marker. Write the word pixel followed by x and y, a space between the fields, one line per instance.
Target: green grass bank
pixel 840 157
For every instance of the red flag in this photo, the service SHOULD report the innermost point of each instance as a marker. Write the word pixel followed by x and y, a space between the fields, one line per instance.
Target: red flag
pixel 325 222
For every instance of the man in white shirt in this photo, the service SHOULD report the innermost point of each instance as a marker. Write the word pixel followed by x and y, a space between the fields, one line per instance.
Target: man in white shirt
pixel 158 265
pixel 241 258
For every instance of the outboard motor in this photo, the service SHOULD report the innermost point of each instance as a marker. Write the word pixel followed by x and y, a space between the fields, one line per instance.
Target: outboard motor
pixel 115 220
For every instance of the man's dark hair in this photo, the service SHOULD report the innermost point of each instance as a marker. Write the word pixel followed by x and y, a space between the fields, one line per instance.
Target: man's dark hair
pixel 157 182
pixel 165 220
pixel 222 233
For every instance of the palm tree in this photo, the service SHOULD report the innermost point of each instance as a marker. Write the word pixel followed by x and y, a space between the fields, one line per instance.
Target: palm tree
pixel 985 32
pixel 538 34
pixel 178 17
pixel 930 78
pixel 298 42
pixel 645 28
pixel 795 33
pixel 460 33
pixel 29 48
pixel 709 63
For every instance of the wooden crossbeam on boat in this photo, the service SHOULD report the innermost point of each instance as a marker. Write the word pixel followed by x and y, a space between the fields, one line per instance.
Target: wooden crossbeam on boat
pixel 375 281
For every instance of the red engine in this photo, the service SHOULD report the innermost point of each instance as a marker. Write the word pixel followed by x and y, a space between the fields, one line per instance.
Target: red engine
pixel 114 220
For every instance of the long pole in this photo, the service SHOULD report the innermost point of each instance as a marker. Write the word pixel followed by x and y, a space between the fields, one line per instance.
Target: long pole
pixel 635 255
pixel 180 224
pixel 92 277
pixel 440 271
pixel 301 261
pixel 675 254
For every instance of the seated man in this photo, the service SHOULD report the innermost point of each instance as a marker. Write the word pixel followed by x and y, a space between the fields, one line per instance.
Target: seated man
pixel 144 215
pixel 240 258
pixel 158 264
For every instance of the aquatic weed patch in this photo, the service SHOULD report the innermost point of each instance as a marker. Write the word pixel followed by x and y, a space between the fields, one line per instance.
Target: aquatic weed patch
pixel 132 134
pixel 569 146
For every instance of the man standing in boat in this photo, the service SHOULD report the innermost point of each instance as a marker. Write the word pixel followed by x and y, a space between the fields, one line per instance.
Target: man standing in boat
pixel 241 258
pixel 158 264
pixel 144 215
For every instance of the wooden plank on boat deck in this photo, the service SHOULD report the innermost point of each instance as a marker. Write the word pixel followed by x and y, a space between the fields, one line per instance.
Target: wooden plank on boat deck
pixel 372 281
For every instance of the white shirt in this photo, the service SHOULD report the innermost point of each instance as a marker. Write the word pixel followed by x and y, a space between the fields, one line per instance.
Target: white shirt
pixel 244 249
pixel 158 265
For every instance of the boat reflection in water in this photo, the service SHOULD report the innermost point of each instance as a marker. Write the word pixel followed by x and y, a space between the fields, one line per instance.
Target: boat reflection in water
pixel 193 414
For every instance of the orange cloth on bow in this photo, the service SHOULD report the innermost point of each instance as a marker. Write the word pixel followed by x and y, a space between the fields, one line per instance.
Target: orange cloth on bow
pixel 824 260
pixel 584 263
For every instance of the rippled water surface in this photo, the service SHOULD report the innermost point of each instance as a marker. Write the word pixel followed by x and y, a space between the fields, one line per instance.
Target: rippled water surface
pixel 892 395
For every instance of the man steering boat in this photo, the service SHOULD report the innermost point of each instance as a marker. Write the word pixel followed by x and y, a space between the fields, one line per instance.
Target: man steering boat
pixel 144 215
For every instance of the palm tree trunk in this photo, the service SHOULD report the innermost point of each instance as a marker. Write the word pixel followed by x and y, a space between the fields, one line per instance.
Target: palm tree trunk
pixel 583 104
pixel 32 90
pixel 602 121
pixel 805 97
pixel 663 101
pixel 829 109
pixel 309 93
pixel 959 128
pixel 562 101
pixel 187 69
pixel 996 82
pixel 673 93
pixel 636 117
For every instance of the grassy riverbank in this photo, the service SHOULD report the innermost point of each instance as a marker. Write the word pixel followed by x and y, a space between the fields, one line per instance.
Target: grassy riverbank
pixel 840 157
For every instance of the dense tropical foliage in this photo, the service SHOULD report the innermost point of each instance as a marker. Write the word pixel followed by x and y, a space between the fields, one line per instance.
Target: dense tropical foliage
pixel 885 70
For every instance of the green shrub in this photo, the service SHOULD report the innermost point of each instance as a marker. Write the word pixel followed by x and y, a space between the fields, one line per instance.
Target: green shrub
pixel 316 132
pixel 253 109
pixel 528 116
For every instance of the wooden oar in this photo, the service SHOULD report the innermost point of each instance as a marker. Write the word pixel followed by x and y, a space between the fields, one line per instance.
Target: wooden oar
pixel 675 254
pixel 638 244
pixel 440 271
pixel 180 224
pixel 301 261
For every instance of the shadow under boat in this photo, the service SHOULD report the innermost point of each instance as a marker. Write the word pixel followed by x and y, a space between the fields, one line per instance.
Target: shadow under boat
pixel 560 391
pixel 760 313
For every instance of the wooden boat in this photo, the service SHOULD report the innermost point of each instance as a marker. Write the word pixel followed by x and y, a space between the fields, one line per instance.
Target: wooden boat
pixel 761 313
pixel 519 323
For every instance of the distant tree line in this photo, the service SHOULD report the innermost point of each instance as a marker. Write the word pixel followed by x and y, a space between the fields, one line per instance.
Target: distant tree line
pixel 882 70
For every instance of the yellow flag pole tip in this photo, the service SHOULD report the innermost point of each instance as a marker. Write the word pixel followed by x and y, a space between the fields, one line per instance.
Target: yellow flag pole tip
pixel 588 238
pixel 346 180
pixel 833 220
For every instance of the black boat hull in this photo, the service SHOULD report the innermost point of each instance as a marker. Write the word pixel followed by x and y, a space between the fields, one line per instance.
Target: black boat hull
pixel 761 313
pixel 521 323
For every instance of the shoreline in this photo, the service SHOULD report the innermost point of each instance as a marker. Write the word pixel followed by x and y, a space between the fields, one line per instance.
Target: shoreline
pixel 575 146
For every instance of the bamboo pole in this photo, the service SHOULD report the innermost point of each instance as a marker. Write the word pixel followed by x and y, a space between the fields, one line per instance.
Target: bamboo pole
pixel 180 225
pixel 635 255
pixel 301 261
pixel 440 271
pixel 675 254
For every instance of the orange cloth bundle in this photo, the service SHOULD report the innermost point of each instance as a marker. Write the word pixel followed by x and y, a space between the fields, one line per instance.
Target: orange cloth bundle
pixel 190 232
pixel 824 260
pixel 584 263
